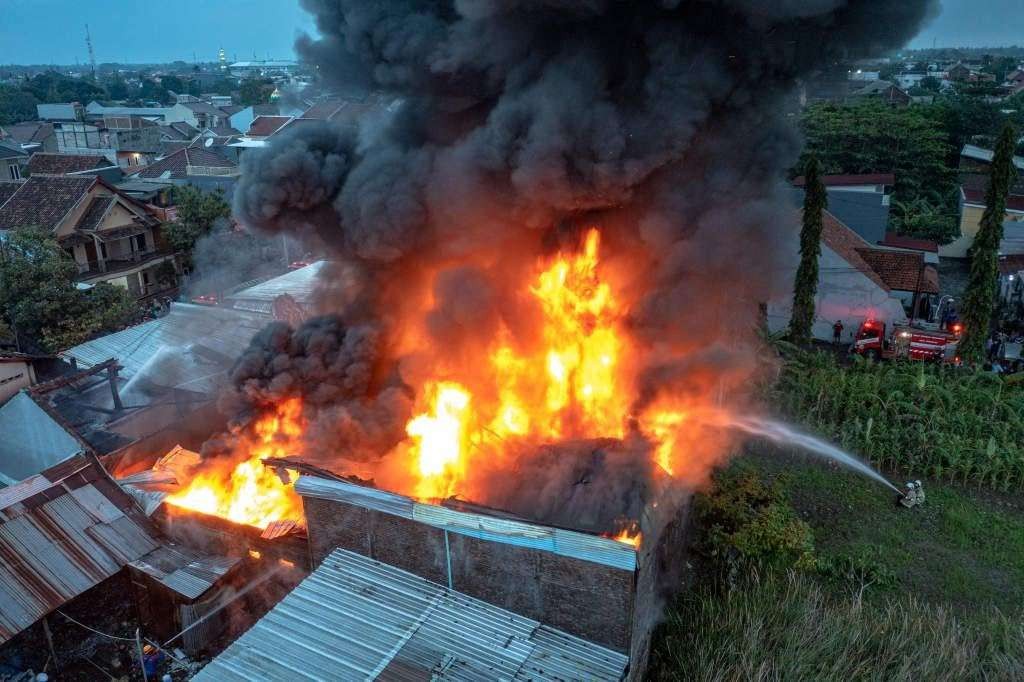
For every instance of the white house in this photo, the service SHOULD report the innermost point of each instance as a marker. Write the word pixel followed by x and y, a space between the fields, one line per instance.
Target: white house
pixel 849 289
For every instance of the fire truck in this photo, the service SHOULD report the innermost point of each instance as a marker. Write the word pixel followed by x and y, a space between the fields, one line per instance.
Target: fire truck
pixel 921 341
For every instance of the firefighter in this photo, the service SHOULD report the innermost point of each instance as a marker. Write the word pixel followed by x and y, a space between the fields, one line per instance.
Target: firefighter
pixel 837 332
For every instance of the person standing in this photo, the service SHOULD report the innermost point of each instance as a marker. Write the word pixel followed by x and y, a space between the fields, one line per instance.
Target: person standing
pixel 837 332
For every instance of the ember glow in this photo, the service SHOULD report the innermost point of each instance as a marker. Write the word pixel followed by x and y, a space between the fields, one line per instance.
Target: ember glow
pixel 246 491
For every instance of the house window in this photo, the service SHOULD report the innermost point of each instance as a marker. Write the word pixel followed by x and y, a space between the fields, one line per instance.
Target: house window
pixel 14 171
pixel 140 242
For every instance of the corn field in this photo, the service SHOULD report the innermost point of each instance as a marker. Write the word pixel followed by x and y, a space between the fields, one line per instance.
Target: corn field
pixel 911 418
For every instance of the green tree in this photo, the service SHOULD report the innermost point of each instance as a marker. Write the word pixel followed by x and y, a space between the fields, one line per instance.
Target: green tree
pixel 805 287
pixel 41 303
pixel 871 137
pixel 172 83
pixel 151 90
pixel 255 91
pixel 198 213
pixel 16 105
pixel 979 298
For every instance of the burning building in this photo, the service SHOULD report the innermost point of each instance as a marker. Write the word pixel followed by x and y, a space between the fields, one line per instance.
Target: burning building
pixel 546 266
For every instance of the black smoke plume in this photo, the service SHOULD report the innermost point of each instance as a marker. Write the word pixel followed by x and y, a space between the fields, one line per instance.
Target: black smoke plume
pixel 521 121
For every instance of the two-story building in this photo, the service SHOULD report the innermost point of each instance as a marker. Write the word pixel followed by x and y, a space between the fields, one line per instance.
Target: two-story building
pixel 111 237
pixel 13 160
pixel 127 141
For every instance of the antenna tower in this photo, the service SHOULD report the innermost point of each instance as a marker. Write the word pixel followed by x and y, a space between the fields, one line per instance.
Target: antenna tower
pixel 92 54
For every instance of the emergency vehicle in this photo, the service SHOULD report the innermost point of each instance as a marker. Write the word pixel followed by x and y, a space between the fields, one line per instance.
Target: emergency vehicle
pixel 907 342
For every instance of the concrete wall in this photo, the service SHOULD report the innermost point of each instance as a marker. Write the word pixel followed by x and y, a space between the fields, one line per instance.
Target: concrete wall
pixel 14 376
pixel 587 599
pixel 844 293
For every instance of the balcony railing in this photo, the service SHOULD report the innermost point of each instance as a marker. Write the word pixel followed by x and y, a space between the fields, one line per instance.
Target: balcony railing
pixel 113 265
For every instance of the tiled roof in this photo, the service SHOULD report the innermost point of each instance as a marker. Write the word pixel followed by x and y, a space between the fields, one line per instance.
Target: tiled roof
pixel 902 242
pixel 179 130
pixel 30 131
pixel 8 188
pixel 852 180
pixel 976 197
pixel 177 163
pixel 203 108
pixel 265 126
pixel 43 201
pixel 298 122
pixel 94 213
pixel 902 270
pixel 224 131
pixel 45 163
pixel 324 111
pixel 845 242
pixel 231 109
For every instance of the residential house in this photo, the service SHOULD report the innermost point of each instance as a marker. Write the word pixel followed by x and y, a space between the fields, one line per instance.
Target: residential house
pixel 159 114
pixel 1014 82
pixel 849 288
pixel 175 136
pixel 218 101
pixel 189 163
pixel 886 91
pixel 71 111
pixel 8 188
pixel 112 237
pixel 18 371
pixel 974 167
pixel 127 141
pixel 860 202
pixel 13 160
pixel 244 116
pixel 263 127
pixel 73 164
pixel 881 183
pixel 910 278
pixel 198 114
pixel 963 73
pixel 33 136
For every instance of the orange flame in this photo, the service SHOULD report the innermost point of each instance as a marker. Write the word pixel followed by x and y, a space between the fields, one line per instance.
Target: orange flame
pixel 248 492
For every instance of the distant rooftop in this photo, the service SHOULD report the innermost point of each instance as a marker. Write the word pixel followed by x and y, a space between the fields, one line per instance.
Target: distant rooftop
pixel 981 154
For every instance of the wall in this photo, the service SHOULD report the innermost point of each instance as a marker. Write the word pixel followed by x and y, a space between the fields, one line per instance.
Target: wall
pixel 844 293
pixel 970 223
pixel 587 599
pixel 14 376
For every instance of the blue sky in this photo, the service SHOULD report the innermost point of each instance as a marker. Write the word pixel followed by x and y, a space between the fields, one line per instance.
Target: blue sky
pixel 53 31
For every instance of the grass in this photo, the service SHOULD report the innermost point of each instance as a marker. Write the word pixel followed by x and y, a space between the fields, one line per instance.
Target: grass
pixel 788 627
pixel 953 610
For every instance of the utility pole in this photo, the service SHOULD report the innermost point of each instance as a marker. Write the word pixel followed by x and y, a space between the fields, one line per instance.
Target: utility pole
pixel 92 54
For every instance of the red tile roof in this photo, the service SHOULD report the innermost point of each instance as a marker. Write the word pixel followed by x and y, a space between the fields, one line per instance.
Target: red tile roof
pixel 265 126
pixel 852 180
pixel 43 201
pixel 902 270
pixel 8 188
pixel 976 197
pixel 45 163
pixel 900 241
pixel 30 131
pixel 324 111
pixel 845 242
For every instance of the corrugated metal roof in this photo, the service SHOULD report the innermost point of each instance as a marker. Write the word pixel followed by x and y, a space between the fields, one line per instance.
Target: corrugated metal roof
pixel 191 347
pixel 52 550
pixel 299 284
pixel 184 570
pixel 356 618
pixel 569 543
pixel 30 440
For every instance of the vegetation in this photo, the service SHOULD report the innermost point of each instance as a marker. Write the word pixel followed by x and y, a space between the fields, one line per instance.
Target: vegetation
pixel 788 627
pixel 255 91
pixel 917 419
pixel 805 285
pixel 40 303
pixel 979 298
pixel 198 213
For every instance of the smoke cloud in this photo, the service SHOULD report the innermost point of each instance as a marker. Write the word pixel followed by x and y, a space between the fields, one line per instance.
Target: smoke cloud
pixel 521 122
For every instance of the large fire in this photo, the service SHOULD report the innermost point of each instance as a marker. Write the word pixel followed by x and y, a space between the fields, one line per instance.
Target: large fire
pixel 574 383
pixel 247 492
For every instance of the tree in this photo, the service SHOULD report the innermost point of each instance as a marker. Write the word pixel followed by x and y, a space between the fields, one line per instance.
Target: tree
pixel 930 84
pixel 16 105
pixel 805 287
pixel 255 91
pixel 979 298
pixel 871 137
pixel 198 213
pixel 39 299
pixel 151 90
pixel 172 83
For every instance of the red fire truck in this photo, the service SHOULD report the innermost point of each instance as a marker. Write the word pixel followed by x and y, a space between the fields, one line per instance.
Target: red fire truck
pixel 907 342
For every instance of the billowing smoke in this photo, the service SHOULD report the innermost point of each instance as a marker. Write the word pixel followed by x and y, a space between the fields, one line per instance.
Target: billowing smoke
pixel 522 122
